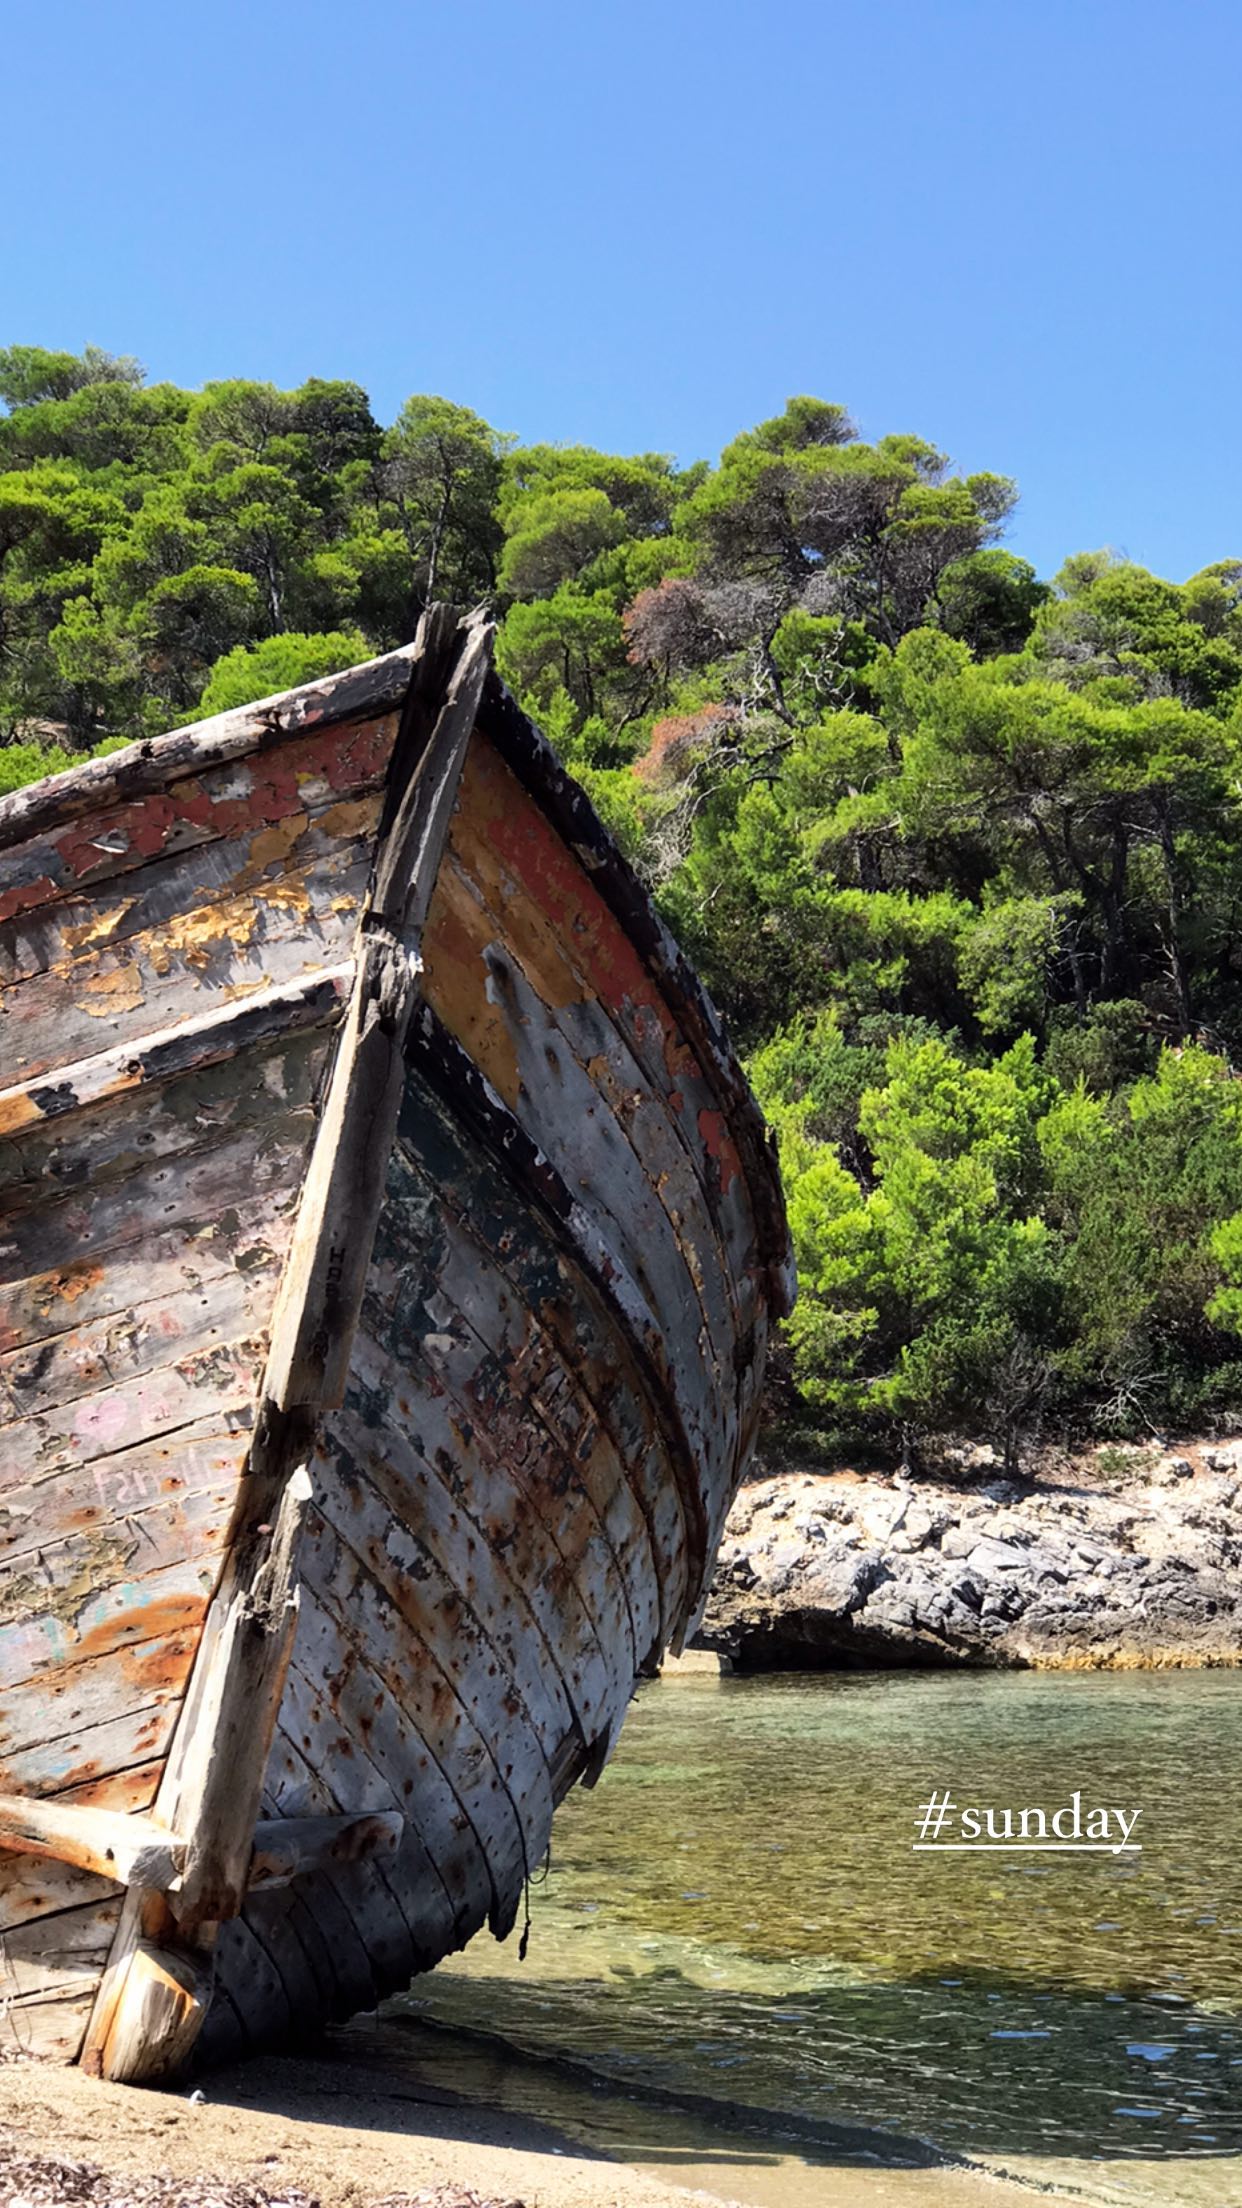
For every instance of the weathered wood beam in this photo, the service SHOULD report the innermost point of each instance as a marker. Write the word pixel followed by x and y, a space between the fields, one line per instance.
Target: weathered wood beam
pixel 308 1001
pixel 363 692
pixel 322 1285
pixel 153 2030
pixel 155 1990
pixel 285 1847
pixel 132 1850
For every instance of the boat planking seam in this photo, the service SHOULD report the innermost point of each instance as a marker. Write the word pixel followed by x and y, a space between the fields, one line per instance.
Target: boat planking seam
pixel 308 1000
pixel 441 1061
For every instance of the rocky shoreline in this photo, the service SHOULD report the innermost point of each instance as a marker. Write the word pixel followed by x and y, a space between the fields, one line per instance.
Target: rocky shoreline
pixel 1123 1557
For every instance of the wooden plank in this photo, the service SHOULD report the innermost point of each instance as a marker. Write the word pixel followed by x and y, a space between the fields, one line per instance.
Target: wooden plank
pixel 566 1115
pixel 237 1682
pixel 213 958
pixel 303 1923
pixel 384 1765
pixel 440 1602
pixel 447 1289
pixel 664 1138
pixel 424 1530
pixel 293 1789
pixel 508 1235
pixel 648 950
pixel 50 2032
pixel 253 1984
pixel 495 1768
pixel 316 1908
pixel 576 1374
pixel 319 1897
pixel 39 1886
pixel 98 1840
pixel 269 1916
pixel 223 2037
pixel 561 1064
pixel 56 1957
pixel 382 1927
pixel 96 1756
pixel 160 895
pixel 590 972
pixel 214 1791
pixel 246 1237
pixel 96 1608
pixel 221 1377
pixel 124 836
pixel 452 1813
pixel 365 694
pixel 199 1459
pixel 130 1792
pixel 453 1381
pixel 74 1236
pixel 511 1512
pixel 86 1696
pixel 529 1188
pixel 229 1042
pixel 46 1376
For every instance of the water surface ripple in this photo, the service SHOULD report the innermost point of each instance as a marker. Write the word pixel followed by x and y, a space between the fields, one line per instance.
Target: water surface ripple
pixel 737 1913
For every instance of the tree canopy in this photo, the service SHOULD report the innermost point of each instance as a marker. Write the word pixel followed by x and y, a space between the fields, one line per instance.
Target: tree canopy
pixel 957 848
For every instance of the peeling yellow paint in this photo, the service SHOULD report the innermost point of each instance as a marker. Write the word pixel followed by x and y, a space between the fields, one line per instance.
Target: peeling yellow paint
pixel 99 927
pixel 356 816
pixel 273 845
pixel 17 1111
pixel 60 1589
pixel 108 994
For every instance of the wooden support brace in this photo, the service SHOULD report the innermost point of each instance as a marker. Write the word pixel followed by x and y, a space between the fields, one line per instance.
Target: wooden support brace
pixel 153 2030
pixel 284 1847
pixel 132 1850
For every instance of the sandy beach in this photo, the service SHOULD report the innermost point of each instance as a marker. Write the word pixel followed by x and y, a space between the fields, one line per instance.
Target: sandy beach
pixel 344 2129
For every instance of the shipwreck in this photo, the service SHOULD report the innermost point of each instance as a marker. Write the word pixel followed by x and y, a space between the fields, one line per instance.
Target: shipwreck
pixel 389 1244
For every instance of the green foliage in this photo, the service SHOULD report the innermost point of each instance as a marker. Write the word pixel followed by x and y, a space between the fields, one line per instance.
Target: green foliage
pixel 959 851
pixel 555 537
pixel 1006 1249
pixel 253 671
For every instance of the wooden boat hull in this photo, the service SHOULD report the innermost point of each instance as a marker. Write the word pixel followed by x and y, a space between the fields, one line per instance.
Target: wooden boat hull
pixel 389 1246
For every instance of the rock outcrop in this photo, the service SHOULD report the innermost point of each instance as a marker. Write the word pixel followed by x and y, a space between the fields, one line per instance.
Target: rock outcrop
pixel 1123 1557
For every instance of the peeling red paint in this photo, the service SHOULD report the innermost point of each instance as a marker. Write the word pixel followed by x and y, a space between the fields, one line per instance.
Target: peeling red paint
pixel 719 1145
pixel 27 895
pixel 195 809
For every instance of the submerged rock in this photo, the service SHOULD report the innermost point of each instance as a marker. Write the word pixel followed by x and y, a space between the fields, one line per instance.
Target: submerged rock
pixel 1126 1557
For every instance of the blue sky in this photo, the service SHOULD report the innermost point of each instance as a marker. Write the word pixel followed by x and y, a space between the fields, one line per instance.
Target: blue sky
pixel 1013 230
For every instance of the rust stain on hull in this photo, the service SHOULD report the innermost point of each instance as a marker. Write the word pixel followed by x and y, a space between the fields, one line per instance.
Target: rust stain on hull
pixel 545 1296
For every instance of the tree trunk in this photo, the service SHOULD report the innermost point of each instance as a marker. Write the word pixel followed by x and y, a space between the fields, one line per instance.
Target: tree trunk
pixel 1175 910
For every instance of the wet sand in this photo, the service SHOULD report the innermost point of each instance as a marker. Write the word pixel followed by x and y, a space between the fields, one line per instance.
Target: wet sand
pixel 349 2127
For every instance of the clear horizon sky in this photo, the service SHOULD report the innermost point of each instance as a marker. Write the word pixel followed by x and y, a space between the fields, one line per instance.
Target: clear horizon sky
pixel 1011 230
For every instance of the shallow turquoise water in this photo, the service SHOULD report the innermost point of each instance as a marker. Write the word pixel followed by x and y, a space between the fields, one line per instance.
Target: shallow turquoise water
pixel 736 1913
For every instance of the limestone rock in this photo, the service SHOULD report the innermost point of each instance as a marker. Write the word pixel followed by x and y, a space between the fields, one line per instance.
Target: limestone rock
pixel 1087 1567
